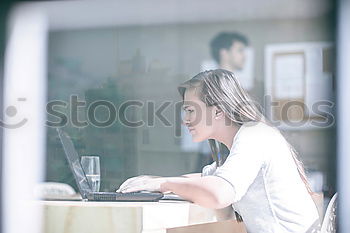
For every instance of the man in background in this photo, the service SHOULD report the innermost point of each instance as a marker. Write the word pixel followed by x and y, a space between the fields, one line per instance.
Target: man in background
pixel 228 50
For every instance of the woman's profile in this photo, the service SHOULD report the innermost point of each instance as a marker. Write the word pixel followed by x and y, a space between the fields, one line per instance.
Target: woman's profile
pixel 262 178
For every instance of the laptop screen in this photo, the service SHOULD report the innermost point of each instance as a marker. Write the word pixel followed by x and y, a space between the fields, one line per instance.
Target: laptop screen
pixel 74 163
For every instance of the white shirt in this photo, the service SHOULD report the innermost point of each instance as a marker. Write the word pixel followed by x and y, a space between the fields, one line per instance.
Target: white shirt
pixel 269 193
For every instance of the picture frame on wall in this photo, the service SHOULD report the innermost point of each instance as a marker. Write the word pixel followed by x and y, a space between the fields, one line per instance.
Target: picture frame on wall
pixel 299 86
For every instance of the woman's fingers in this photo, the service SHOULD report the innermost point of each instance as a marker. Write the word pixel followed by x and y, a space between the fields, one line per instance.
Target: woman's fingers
pixel 137 181
pixel 132 182
pixel 134 189
pixel 127 182
pixel 146 184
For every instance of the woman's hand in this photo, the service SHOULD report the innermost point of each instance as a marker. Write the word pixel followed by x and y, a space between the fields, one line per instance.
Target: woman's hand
pixel 135 181
pixel 146 182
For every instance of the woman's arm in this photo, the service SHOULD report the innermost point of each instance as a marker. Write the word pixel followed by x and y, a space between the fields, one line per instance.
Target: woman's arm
pixel 209 191
pixel 137 180
pixel 223 214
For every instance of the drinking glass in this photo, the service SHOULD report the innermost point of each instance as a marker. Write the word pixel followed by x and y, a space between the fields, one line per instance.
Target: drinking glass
pixel 91 167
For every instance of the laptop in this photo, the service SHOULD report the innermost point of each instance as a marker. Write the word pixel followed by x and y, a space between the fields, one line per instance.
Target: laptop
pixel 84 186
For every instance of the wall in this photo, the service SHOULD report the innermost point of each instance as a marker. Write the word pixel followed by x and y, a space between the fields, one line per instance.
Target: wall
pixel 148 62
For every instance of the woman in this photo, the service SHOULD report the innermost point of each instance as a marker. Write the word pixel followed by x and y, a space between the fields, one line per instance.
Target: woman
pixel 261 178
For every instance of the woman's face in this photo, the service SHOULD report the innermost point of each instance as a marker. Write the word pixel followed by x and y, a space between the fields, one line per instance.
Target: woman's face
pixel 198 118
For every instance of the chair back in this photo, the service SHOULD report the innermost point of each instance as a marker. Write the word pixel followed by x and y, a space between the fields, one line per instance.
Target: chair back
pixel 329 222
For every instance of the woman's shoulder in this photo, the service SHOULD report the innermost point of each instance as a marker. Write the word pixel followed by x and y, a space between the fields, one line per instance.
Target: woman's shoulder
pixel 260 135
pixel 265 138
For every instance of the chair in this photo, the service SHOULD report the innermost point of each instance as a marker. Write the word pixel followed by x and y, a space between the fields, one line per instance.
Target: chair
pixel 329 222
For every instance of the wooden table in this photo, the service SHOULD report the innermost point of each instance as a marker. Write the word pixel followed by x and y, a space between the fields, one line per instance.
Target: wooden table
pixel 121 217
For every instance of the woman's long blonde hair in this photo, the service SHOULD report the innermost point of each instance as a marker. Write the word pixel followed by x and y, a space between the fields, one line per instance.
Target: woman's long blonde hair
pixel 220 88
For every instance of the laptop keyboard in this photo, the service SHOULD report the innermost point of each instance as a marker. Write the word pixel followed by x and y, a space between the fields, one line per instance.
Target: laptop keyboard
pixel 132 196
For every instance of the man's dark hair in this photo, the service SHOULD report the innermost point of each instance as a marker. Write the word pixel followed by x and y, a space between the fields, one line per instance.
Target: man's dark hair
pixel 224 40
